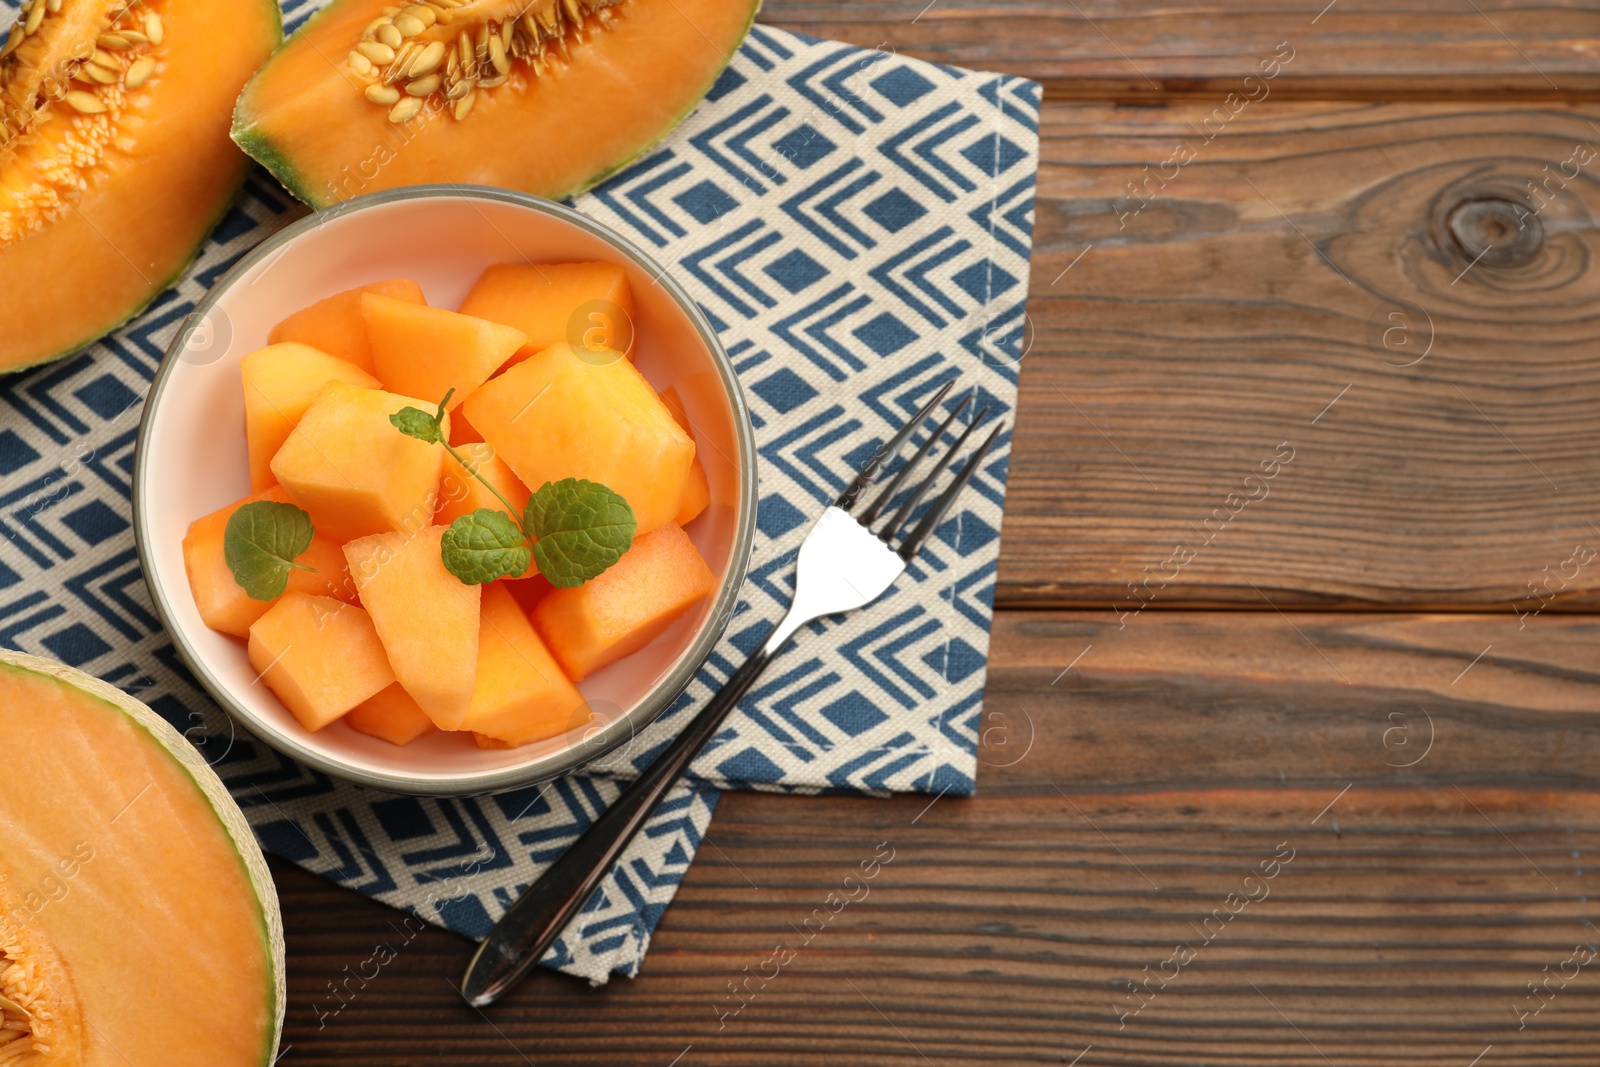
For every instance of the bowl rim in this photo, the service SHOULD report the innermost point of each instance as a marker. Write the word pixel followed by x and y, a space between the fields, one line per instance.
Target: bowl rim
pixel 625 726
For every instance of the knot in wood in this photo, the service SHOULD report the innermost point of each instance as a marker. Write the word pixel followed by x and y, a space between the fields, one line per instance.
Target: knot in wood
pixel 1495 232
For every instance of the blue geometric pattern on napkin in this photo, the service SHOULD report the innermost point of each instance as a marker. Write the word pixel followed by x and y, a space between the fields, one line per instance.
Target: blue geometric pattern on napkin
pixel 858 227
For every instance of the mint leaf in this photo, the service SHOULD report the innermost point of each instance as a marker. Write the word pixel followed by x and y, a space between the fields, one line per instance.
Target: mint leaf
pixel 414 422
pixel 260 544
pixel 483 546
pixel 580 529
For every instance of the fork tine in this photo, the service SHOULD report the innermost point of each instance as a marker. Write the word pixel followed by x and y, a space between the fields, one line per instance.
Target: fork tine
pixel 899 479
pixel 853 491
pixel 908 548
pixel 904 513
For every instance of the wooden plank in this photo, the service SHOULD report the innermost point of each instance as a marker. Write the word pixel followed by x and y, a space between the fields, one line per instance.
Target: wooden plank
pixel 1366 303
pixel 1116 49
pixel 1404 917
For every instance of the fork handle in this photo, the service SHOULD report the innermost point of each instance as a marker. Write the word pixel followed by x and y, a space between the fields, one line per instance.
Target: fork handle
pixel 521 937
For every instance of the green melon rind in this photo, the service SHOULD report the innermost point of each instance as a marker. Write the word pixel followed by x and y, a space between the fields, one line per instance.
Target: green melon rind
pixel 262 149
pixel 275 19
pixel 217 796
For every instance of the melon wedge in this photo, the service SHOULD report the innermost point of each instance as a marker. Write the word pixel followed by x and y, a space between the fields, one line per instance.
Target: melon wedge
pixel 319 656
pixel 227 608
pixel 588 85
pixel 125 178
pixel 589 305
pixel 562 415
pixel 422 351
pixel 280 382
pixel 521 694
pixel 426 618
pixel 130 884
pixel 657 580
pixel 336 325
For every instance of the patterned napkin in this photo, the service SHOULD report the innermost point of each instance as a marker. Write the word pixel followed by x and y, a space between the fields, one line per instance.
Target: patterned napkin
pixel 858 226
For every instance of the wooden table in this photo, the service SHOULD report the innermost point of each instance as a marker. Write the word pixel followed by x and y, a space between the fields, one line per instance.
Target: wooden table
pixel 1322 789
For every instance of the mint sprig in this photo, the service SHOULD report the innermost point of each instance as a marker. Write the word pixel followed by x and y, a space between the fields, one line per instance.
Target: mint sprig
pixel 575 529
pixel 260 544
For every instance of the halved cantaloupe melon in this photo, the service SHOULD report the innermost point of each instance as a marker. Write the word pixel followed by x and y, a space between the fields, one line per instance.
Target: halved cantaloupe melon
pixel 336 325
pixel 114 942
pixel 589 305
pixel 352 471
pixel 422 351
pixel 521 694
pixel 697 487
pixel 545 96
pixel 426 617
pixel 562 415
pixel 460 493
pixel 320 656
pixel 627 607
pixel 280 382
pixel 227 608
pixel 116 157
pixel 391 716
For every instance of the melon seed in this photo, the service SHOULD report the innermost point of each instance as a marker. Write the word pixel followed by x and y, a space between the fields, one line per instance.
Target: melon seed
pixel 133 36
pixel 403 59
pixel 459 89
pixel 464 105
pixel 35 17
pixel 114 42
pixel 55 6
pixel 406 110
pixel 492 83
pixel 105 59
pixel 99 75
pixel 390 35
pixel 428 61
pixel 407 25
pixel 154 28
pixel 361 64
pixel 84 103
pixel 423 86
pixel 140 72
pixel 12 40
pixel 421 12
pixel 497 55
pixel 376 51
pixel 386 95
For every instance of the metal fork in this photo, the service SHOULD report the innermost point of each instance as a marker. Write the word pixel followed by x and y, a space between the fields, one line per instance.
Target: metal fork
pixel 843 565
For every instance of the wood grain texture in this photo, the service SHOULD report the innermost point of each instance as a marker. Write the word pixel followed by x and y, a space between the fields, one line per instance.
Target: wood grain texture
pixel 1372 289
pixel 1120 50
pixel 1120 804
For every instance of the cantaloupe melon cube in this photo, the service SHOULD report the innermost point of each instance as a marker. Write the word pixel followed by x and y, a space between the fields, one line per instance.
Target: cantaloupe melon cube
pixel 461 494
pixel 280 382
pixel 589 304
pixel 320 656
pixel 627 607
pixel 462 432
pixel 697 487
pixel 336 326
pixel 356 474
pixel 390 716
pixel 422 351
pixel 226 607
pixel 560 415
pixel 426 618
pixel 521 695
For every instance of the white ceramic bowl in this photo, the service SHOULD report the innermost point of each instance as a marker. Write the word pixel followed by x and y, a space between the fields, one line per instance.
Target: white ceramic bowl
pixel 191 459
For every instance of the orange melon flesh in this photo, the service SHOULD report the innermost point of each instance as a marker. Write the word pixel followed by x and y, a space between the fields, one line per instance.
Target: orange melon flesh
pixel 422 351
pixel 280 382
pixel 336 325
pixel 561 415
pixel 426 617
pixel 616 90
pixel 625 608
pixel 697 487
pixel 584 304
pixel 460 493
pixel 356 474
pixel 130 884
pixel 163 173
pixel 462 432
pixel 321 657
pixel 521 695
pixel 390 716
pixel 226 607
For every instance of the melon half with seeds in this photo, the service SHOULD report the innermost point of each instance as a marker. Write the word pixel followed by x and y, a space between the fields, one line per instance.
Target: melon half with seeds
pixel 115 161
pixel 138 922
pixel 544 96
